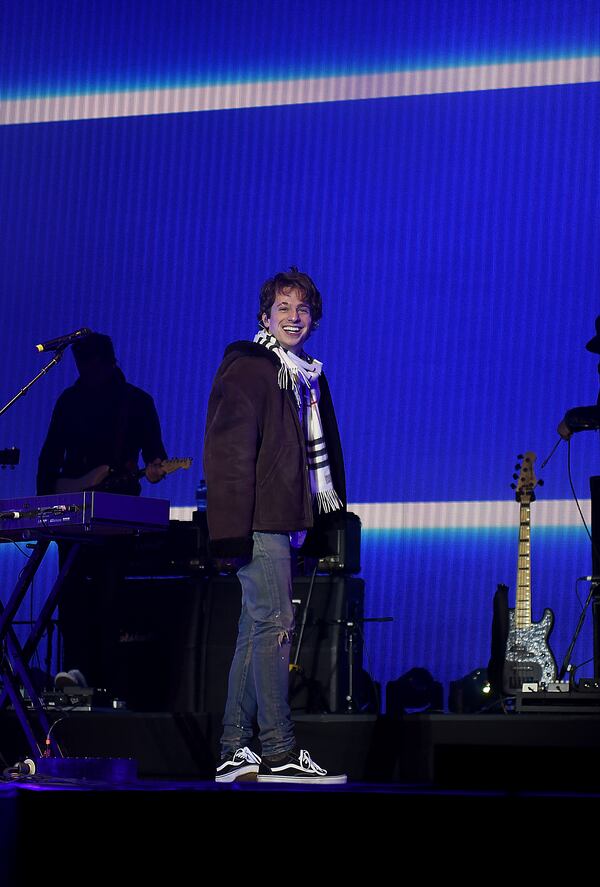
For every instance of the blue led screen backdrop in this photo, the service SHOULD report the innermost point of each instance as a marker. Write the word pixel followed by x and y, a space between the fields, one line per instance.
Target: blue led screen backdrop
pixel 453 235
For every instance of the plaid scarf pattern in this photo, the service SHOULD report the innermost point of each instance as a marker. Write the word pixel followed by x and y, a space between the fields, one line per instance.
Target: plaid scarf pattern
pixel 301 375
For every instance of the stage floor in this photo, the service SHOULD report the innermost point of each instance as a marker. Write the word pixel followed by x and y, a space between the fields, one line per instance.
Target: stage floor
pixel 423 787
pixel 539 752
pixel 164 831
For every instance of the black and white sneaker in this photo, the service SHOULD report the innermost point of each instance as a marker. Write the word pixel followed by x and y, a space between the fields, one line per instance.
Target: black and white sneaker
pixel 241 766
pixel 297 766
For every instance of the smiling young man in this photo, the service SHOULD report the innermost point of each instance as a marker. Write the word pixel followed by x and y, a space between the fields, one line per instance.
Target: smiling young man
pixel 274 469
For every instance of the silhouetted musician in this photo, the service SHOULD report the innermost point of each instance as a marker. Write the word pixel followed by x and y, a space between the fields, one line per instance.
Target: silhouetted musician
pixel 100 420
pixel 98 429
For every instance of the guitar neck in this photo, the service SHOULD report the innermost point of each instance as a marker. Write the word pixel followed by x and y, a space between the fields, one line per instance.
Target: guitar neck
pixel 523 593
pixel 168 466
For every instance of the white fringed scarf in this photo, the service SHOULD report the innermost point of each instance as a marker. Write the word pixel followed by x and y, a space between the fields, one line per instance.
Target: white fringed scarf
pixel 302 376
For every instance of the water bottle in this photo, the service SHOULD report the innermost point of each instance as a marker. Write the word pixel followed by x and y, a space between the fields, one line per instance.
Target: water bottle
pixel 201 495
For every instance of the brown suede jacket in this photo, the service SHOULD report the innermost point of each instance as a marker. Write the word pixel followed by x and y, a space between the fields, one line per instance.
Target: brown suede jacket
pixel 254 452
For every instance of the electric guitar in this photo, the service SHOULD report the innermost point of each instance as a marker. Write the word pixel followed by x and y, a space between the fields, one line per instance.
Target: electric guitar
pixel 529 658
pixel 107 480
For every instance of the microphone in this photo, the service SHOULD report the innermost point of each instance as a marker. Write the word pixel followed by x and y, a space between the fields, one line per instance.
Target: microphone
pixel 63 341
pixel 594 579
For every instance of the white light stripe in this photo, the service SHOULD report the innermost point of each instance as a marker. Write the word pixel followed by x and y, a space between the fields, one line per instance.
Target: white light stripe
pixel 268 93
pixel 454 515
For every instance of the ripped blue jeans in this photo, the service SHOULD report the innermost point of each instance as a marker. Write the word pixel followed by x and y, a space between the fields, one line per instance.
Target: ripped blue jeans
pixel 259 674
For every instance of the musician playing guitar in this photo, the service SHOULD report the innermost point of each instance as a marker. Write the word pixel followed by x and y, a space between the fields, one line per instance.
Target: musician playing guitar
pixel 99 422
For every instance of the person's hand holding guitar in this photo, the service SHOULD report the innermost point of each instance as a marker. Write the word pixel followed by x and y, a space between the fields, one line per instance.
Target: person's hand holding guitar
pixel 155 471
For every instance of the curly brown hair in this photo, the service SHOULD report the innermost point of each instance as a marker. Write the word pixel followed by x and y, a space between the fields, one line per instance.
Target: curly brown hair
pixel 298 280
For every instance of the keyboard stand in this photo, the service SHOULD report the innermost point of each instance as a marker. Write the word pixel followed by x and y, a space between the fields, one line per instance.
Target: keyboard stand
pixel 76 518
pixel 14 664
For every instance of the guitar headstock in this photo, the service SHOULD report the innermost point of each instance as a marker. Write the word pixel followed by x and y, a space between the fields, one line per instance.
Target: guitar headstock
pixel 10 456
pixel 526 480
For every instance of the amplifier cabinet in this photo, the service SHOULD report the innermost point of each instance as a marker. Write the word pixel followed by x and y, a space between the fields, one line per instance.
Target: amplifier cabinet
pixel 326 650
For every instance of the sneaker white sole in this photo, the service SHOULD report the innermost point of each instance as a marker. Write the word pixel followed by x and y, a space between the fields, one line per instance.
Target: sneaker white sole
pixel 305 780
pixel 245 774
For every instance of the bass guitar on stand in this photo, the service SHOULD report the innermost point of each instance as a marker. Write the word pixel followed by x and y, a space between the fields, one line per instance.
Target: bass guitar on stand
pixel 528 658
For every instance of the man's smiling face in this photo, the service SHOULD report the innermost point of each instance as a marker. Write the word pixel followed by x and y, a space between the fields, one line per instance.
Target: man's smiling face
pixel 289 319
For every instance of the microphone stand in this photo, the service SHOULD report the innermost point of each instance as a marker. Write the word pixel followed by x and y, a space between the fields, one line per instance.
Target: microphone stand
pixel 55 360
pixel 351 626
pixel 566 666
